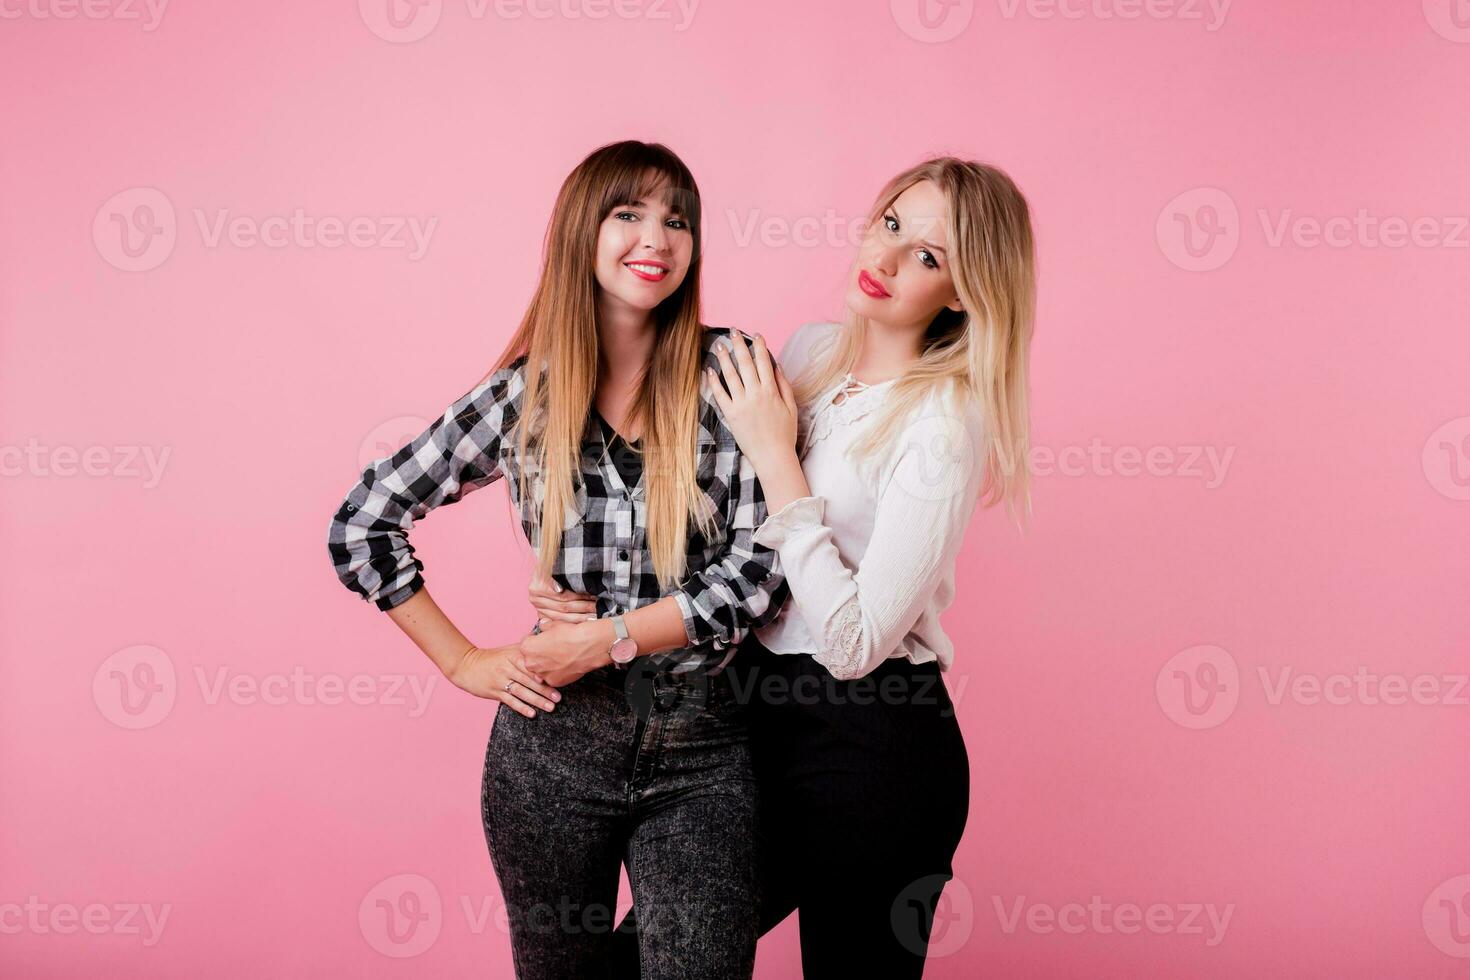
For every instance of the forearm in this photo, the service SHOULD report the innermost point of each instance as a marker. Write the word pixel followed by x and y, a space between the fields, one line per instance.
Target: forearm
pixel 431 630
pixel 657 627
pixel 782 480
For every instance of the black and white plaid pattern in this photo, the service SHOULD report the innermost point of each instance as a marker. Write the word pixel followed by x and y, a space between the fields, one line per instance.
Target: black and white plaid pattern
pixel 733 584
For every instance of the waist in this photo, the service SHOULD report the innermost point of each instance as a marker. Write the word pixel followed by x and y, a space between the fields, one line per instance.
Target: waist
pixel 925 641
pixel 785 682
pixel 666 680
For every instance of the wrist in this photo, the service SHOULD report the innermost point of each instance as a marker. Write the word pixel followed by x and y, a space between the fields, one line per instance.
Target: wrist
pixel 783 481
pixel 770 459
pixel 598 641
pixel 452 667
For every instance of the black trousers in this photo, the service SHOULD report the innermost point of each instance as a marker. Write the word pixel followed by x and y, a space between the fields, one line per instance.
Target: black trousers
pixel 864 794
pixel 640 768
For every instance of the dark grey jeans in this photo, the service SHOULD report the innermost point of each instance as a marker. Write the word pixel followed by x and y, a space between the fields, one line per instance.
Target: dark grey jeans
pixel 645 769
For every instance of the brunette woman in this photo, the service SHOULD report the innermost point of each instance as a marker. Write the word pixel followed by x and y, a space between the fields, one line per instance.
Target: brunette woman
pixel 617 739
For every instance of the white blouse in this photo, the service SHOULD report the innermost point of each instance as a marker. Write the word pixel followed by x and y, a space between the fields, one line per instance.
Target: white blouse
pixel 870 555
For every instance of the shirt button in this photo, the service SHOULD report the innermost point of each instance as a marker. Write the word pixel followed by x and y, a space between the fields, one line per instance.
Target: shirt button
pixel 622 556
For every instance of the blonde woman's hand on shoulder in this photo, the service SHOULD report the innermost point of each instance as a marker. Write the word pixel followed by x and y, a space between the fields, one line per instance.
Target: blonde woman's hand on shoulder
pixel 756 400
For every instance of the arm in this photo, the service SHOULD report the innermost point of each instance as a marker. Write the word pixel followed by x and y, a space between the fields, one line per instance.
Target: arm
pixel 458 453
pixel 370 551
pixel 743 588
pixel 858 618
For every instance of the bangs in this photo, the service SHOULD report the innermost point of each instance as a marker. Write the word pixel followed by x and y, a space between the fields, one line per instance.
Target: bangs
pixel 652 176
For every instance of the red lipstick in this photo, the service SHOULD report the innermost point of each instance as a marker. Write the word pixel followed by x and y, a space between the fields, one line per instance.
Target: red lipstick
pixel 871 286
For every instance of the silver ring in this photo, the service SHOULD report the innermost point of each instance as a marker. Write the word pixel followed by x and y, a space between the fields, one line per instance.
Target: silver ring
pixel 509 683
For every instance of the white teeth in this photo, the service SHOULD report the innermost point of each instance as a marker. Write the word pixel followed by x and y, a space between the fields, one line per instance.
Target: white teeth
pixel 651 270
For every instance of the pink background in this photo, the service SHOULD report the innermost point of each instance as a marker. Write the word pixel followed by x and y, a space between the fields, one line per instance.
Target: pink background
pixel 271 828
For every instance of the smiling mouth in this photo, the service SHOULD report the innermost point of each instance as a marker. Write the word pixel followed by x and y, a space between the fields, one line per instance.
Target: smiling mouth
pixel 651 271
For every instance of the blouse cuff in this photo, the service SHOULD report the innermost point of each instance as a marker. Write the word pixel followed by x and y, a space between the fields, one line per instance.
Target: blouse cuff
pixel 800 514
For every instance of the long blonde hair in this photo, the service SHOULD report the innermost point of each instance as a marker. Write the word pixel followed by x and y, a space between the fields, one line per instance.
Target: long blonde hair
pixel 559 338
pixel 981 353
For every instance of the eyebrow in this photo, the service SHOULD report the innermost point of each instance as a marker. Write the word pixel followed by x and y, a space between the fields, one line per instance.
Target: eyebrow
pixel 922 241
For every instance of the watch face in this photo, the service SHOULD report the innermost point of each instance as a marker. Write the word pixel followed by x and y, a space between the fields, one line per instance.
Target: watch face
pixel 624 650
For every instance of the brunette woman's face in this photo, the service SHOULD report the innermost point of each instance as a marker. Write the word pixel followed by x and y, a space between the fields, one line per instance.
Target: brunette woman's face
pixel 901 277
pixel 644 248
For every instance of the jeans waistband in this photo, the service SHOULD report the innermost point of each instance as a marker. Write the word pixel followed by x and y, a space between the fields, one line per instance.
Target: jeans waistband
pixel 648 682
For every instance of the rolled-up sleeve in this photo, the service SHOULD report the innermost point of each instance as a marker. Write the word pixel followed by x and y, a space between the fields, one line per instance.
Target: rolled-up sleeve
pixel 743 588
pixel 459 452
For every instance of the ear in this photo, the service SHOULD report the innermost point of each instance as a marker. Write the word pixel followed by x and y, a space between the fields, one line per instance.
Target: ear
pixel 955 305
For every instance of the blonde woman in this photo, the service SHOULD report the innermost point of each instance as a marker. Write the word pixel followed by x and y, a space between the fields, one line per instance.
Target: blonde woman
pixel 872 457
pixel 617 737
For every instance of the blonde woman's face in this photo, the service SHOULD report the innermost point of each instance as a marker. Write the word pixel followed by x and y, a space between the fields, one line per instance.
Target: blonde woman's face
pixel 644 249
pixel 901 277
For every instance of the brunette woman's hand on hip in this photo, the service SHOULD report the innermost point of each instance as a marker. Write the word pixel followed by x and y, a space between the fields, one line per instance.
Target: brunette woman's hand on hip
pixel 501 674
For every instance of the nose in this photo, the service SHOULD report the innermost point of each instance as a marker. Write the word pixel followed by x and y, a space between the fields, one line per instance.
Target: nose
pixel 655 236
pixel 886 259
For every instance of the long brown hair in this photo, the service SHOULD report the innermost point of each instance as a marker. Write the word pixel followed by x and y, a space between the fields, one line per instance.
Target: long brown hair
pixel 981 353
pixel 559 338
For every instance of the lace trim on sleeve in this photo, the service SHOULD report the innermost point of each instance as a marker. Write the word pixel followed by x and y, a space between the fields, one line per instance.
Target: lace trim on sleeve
pixel 842 647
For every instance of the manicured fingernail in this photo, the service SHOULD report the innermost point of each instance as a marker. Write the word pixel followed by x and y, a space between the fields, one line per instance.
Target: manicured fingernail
pixel 591 616
pixel 555 696
pixel 557 586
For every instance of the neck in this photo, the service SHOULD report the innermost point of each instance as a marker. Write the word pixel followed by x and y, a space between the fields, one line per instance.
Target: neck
pixel 887 351
pixel 625 340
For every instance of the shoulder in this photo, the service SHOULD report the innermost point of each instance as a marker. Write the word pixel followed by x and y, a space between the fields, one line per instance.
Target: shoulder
pixel 715 337
pixel 495 399
pixel 809 341
pixel 505 382
pixel 943 440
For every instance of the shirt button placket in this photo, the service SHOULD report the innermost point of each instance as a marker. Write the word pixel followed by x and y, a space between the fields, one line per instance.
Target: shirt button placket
pixel 623 539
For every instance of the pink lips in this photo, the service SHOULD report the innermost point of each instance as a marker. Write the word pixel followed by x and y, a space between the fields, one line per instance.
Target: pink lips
pixel 871 286
pixel 664 270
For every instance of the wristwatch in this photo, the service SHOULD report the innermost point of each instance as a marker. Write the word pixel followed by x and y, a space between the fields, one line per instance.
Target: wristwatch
pixel 624 648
